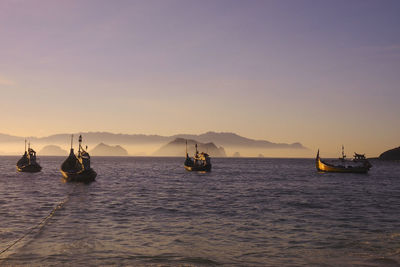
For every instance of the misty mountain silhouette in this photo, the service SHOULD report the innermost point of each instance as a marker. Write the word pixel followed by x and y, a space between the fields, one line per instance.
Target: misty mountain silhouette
pixel 232 139
pixel 220 139
pixel 106 150
pixel 177 148
pixel 5 138
pixel 106 137
pixel 236 155
pixel 53 150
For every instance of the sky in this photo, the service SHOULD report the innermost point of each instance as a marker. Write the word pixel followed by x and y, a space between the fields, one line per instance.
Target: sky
pixel 323 73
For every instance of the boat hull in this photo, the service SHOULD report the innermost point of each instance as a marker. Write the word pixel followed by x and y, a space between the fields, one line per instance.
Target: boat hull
pixel 29 168
pixel 85 176
pixel 206 168
pixel 325 167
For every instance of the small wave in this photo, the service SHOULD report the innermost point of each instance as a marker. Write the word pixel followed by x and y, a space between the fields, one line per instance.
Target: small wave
pixel 161 209
pixel 306 205
pixel 175 260
pixel 395 235
pixel 387 262
pixel 200 261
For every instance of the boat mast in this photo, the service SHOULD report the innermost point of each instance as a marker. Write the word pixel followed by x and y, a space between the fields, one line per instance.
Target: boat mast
pixel 186 148
pixel 72 139
pixel 25 144
pixel 29 153
pixel 343 155
pixel 80 141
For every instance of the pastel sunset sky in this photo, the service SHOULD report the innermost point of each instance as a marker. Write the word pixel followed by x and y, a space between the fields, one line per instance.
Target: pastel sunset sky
pixel 323 73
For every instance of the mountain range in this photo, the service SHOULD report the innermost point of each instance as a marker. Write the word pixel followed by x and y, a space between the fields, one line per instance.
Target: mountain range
pixel 140 144
pixel 222 139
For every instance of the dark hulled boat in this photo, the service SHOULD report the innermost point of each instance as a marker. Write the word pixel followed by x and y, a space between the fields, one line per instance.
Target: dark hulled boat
pixel 77 168
pixel 359 164
pixel 28 162
pixel 200 161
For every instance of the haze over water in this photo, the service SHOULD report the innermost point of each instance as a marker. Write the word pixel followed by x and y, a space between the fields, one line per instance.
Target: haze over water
pixel 322 73
pixel 151 212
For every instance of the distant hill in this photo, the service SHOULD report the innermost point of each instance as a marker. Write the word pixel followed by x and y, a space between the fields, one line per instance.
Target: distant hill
pixel 106 150
pixel 236 155
pixel 177 148
pixel 53 150
pixel 392 154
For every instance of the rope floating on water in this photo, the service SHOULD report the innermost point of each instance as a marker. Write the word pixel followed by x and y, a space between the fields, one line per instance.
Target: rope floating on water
pixel 39 225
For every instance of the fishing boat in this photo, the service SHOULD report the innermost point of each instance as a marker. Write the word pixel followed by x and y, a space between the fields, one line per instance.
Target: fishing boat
pixel 359 164
pixel 200 161
pixel 28 162
pixel 77 168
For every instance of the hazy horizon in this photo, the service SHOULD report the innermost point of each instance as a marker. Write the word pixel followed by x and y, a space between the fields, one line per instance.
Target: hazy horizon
pixel 148 148
pixel 319 73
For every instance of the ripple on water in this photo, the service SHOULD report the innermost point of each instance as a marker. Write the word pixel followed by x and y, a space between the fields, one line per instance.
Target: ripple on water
pixel 151 212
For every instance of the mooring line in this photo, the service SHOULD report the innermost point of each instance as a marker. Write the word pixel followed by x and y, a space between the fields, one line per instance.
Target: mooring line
pixel 41 224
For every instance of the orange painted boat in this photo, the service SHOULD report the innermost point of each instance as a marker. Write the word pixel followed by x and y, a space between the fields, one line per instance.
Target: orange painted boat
pixel 345 166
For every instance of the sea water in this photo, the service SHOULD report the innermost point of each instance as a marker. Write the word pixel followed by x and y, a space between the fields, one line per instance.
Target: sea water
pixel 246 212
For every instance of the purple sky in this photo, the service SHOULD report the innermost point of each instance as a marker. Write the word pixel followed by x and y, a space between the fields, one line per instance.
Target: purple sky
pixel 324 73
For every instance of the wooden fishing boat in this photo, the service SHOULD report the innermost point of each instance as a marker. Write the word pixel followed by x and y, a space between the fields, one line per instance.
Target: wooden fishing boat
pixel 200 161
pixel 357 165
pixel 77 168
pixel 28 162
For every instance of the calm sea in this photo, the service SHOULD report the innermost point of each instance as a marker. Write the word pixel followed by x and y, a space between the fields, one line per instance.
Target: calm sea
pixel 246 212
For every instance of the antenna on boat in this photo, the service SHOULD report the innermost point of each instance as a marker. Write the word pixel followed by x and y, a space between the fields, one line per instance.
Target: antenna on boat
pixel 343 155
pixel 186 148
pixel 80 141
pixel 72 138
